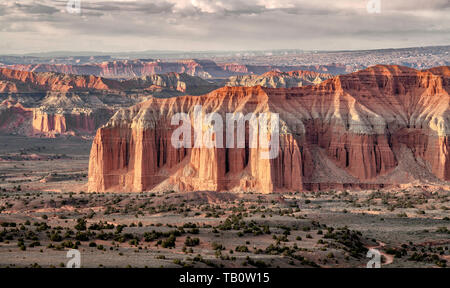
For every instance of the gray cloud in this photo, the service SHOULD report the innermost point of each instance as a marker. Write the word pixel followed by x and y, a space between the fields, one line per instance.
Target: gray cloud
pixel 35 8
pixel 42 25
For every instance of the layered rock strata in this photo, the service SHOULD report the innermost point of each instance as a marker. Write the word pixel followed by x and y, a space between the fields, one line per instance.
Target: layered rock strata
pixel 354 130
pixel 277 79
pixel 126 69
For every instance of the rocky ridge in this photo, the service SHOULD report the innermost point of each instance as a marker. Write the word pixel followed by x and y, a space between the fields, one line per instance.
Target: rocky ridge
pixel 127 69
pixel 74 104
pixel 277 79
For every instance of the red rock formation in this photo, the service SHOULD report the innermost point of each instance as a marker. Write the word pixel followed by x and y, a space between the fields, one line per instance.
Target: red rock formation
pixel 54 114
pixel 145 153
pixel 7 86
pixel 277 79
pixel 24 81
pixel 201 68
pixel 129 68
pixel 19 81
pixel 174 81
pixel 14 118
pixel 50 123
pixel 346 132
pixel 59 112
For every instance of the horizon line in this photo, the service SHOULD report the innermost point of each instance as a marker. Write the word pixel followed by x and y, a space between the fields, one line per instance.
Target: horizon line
pixel 110 53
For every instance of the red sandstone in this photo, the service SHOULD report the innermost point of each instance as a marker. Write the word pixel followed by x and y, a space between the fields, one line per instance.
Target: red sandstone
pixel 350 127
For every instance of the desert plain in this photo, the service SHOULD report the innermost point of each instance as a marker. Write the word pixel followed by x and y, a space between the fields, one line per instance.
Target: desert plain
pixel 45 211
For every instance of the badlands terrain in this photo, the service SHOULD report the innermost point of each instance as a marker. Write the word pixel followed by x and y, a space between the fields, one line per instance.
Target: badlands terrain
pixel 86 163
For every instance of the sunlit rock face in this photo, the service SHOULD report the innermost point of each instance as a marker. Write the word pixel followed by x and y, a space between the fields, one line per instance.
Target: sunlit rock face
pixel 382 126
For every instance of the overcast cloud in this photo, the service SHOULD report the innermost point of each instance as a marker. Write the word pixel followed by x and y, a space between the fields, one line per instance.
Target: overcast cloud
pixel 136 25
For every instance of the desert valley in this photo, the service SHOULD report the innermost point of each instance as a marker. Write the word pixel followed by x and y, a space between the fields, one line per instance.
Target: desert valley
pixel 87 163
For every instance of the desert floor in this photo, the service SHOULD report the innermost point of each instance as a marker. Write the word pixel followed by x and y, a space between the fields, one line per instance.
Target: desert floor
pixel 45 211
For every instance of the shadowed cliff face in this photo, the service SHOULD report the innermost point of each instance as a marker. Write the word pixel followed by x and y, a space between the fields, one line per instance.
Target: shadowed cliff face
pixel 381 126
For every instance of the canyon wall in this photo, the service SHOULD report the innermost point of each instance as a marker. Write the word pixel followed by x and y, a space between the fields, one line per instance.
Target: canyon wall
pixel 26 82
pixel 17 119
pixel 277 79
pixel 70 104
pixel 381 126
pixel 126 69
pixel 68 122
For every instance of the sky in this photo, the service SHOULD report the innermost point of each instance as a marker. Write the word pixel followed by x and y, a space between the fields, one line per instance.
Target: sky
pixel 28 26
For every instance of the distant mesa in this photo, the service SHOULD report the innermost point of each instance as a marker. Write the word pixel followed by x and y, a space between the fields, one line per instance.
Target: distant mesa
pixel 23 81
pixel 207 69
pixel 60 104
pixel 381 126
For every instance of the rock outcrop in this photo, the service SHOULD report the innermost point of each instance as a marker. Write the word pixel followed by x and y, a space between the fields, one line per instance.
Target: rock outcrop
pixel 14 118
pixel 381 126
pixel 23 81
pixel 49 121
pixel 58 104
pixel 180 82
pixel 69 103
pixel 77 121
pixel 276 79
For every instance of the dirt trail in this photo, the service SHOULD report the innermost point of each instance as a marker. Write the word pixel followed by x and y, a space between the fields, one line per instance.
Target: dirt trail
pixel 389 258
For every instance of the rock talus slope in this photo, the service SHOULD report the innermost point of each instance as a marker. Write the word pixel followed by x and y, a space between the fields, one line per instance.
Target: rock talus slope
pixel 353 130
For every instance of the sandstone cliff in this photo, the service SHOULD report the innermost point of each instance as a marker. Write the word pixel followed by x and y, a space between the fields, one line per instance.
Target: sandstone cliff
pixel 67 97
pixel 18 81
pixel 14 118
pixel 76 121
pixel 180 82
pixel 49 121
pixel 78 105
pixel 377 127
pixel 24 81
pixel 50 104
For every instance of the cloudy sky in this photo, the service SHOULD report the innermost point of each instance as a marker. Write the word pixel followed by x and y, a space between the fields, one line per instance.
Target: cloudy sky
pixel 137 25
